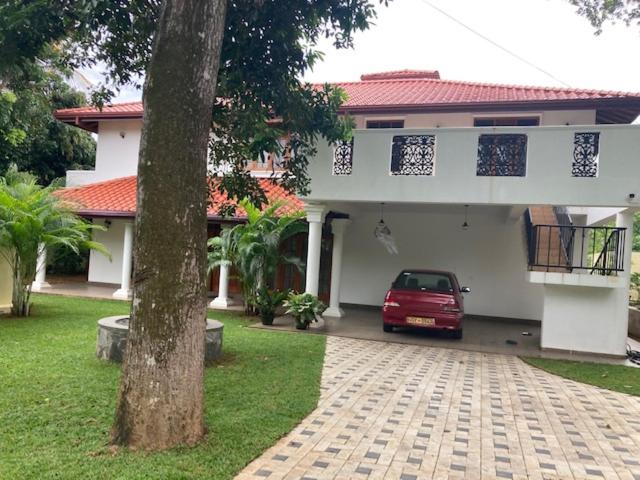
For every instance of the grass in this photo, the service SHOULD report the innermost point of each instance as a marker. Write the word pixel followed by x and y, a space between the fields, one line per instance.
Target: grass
pixel 618 378
pixel 57 400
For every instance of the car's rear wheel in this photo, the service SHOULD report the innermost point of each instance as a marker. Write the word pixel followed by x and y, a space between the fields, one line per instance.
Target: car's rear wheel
pixel 457 333
pixel 387 328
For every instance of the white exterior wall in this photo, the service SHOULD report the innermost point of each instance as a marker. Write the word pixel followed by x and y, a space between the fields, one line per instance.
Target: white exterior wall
pixel 101 269
pixel 489 257
pixel 6 286
pixel 117 156
pixel 585 319
pixel 465 119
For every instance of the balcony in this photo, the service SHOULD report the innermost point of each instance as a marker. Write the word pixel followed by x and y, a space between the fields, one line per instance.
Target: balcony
pixel 593 165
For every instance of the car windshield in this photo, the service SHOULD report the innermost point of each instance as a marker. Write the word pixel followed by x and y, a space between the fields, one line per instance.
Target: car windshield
pixel 438 282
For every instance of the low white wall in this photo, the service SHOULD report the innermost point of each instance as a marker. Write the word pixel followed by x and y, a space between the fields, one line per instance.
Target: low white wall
pixel 101 269
pixel 634 322
pixel 584 319
pixel 489 258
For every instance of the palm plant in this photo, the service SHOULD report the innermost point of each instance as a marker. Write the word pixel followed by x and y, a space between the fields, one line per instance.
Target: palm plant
pixel 32 217
pixel 253 248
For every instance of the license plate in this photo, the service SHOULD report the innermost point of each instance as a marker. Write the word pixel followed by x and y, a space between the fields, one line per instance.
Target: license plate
pixel 422 321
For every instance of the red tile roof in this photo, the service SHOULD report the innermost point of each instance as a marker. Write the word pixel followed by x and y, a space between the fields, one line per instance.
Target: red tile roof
pixel 412 90
pixel 117 198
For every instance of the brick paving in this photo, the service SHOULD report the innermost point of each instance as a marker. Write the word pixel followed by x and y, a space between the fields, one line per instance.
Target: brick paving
pixel 408 412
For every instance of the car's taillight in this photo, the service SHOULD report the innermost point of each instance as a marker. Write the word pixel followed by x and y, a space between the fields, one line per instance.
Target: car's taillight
pixel 452 306
pixel 391 304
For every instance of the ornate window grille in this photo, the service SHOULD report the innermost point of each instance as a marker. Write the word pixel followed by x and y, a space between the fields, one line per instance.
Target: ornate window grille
pixel 586 149
pixel 502 155
pixel 343 158
pixel 413 154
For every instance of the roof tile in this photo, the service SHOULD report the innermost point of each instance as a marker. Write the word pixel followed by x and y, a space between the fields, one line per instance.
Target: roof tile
pixel 118 197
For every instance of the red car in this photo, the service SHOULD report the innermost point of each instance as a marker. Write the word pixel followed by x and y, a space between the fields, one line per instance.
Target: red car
pixel 425 299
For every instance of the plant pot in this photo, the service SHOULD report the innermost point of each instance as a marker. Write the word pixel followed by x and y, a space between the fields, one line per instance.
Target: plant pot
pixel 267 319
pixel 302 325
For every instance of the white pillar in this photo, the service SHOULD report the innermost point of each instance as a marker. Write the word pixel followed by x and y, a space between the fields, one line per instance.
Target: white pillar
pixel 41 270
pixel 315 217
pixel 124 292
pixel 222 301
pixel 624 219
pixel 338 226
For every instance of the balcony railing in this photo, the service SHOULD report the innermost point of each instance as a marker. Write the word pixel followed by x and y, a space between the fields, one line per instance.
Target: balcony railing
pixel 576 249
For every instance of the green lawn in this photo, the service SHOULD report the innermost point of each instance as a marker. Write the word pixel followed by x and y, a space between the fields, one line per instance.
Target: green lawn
pixel 57 400
pixel 612 377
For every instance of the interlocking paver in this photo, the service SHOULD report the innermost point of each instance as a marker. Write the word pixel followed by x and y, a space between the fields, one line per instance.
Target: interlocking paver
pixel 396 411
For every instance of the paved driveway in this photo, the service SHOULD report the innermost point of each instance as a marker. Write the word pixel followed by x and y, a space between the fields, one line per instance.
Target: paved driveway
pixel 411 412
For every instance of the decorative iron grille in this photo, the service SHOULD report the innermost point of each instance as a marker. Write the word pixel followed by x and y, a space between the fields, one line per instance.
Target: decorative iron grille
pixel 343 158
pixel 413 154
pixel 586 147
pixel 502 155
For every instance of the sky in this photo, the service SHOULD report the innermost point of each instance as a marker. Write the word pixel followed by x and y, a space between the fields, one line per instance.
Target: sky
pixel 411 34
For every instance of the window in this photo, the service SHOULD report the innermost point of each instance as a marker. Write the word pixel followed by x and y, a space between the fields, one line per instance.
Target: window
pixel 343 157
pixel 413 154
pixel 586 148
pixel 385 123
pixel 438 282
pixel 506 122
pixel 502 155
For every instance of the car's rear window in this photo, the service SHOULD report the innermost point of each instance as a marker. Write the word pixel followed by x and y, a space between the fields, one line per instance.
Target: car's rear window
pixel 438 282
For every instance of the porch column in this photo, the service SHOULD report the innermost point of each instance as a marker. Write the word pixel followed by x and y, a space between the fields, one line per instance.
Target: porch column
pixel 338 226
pixel 624 219
pixel 41 270
pixel 315 217
pixel 124 292
pixel 222 301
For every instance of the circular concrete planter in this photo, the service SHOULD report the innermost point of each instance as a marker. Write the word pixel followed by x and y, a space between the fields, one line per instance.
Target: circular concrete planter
pixel 113 332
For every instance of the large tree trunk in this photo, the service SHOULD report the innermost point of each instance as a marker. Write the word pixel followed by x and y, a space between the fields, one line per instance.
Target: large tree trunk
pixel 160 402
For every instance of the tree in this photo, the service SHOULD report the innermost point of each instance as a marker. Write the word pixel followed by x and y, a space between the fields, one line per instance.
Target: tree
pixel 598 12
pixel 33 140
pixel 31 217
pixel 253 248
pixel 178 45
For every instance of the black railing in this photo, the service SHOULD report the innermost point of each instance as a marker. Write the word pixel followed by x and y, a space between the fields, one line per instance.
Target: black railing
pixel 566 248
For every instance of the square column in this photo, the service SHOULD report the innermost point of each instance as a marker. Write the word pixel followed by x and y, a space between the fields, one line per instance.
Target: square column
pixel 41 270
pixel 124 292
pixel 222 301
pixel 338 227
pixel 315 217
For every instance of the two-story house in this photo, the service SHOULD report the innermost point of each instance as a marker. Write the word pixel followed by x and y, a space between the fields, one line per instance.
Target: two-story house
pixel 526 193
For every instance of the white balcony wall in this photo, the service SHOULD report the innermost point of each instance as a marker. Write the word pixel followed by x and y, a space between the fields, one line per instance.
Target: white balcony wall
pixel 548 179
pixel 76 178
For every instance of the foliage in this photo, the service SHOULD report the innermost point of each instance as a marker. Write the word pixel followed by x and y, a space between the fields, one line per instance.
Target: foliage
pixel 30 137
pixel 267 303
pixel 304 307
pixel 253 247
pixel 618 378
pixel 635 288
pixel 268 46
pixel 599 12
pixel 57 399
pixel 30 217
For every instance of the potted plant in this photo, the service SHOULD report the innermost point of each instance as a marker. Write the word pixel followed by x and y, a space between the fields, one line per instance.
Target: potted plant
pixel 267 302
pixel 305 308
